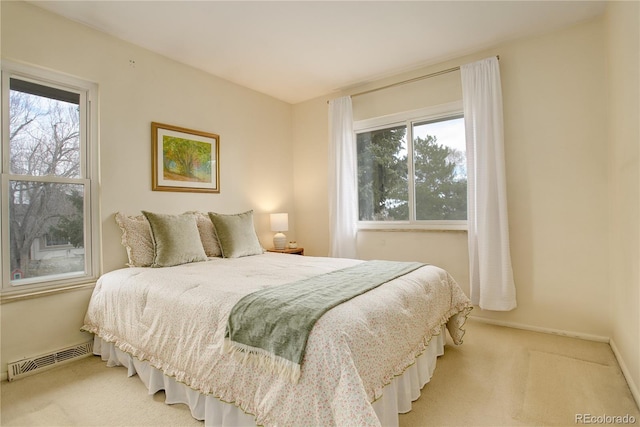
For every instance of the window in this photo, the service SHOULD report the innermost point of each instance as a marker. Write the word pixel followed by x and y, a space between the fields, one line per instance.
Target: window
pixel 49 183
pixel 412 170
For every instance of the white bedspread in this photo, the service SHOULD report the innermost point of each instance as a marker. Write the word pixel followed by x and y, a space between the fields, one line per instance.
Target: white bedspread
pixel 175 318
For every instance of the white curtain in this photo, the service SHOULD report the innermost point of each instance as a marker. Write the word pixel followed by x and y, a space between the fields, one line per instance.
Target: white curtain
pixel 490 272
pixel 343 208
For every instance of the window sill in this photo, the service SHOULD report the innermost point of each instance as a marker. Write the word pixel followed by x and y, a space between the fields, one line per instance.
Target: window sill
pixel 458 226
pixel 19 295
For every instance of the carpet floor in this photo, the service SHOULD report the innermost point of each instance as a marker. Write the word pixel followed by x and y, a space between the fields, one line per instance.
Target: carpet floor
pixel 498 377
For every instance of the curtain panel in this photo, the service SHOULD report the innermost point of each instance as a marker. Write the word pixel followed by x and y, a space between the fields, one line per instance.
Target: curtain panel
pixel 490 272
pixel 343 192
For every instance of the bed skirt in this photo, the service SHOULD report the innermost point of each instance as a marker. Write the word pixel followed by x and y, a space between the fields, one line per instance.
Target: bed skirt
pixel 396 398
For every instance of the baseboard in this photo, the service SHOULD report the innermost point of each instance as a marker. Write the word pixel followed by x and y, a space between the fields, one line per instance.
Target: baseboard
pixel 570 334
pixel 4 376
pixel 635 391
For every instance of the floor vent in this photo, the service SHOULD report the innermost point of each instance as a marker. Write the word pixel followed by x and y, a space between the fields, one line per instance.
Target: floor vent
pixel 33 365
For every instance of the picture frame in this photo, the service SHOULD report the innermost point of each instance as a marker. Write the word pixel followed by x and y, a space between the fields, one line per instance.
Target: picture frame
pixel 184 159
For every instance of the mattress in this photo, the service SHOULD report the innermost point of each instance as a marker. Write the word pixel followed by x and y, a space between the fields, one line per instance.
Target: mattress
pixel 174 319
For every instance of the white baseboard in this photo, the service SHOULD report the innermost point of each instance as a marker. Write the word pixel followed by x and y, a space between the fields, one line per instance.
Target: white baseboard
pixel 635 391
pixel 4 376
pixel 514 325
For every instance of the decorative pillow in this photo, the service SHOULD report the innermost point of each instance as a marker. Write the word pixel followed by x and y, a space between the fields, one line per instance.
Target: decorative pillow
pixel 175 239
pixel 236 234
pixel 136 238
pixel 207 234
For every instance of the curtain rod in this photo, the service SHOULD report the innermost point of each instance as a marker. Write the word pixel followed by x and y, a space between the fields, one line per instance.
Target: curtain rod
pixel 415 79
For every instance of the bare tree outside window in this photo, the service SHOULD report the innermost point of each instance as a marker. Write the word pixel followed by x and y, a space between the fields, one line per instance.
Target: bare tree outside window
pixel 46 198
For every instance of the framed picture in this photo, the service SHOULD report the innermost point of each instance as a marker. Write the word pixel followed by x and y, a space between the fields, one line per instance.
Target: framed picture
pixel 184 159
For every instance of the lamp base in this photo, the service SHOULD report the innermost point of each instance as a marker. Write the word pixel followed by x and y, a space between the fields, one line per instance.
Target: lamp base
pixel 279 241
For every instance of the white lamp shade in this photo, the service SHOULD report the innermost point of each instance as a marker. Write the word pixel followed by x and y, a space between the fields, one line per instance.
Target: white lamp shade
pixel 280 222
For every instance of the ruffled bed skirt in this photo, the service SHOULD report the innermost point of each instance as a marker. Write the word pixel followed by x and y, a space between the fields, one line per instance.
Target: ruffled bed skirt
pixel 396 398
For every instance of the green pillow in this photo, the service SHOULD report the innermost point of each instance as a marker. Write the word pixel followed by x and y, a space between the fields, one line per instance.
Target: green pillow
pixel 236 234
pixel 176 239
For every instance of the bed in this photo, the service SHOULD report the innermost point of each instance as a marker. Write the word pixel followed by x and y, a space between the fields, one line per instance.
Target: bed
pixel 365 359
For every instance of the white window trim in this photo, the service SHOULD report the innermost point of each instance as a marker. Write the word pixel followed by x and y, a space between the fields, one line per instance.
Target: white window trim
pixel 407 118
pixel 89 176
pixel 413 225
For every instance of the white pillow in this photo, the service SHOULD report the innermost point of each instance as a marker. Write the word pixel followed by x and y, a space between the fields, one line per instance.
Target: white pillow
pixel 136 238
pixel 207 234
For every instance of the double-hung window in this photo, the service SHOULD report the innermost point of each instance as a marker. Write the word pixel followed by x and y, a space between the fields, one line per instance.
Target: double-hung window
pixel 49 188
pixel 412 170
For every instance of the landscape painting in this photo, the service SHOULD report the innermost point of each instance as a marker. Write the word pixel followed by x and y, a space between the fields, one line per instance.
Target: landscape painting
pixel 184 159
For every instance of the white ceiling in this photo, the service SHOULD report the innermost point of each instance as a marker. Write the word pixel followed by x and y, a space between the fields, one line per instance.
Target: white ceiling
pixel 298 50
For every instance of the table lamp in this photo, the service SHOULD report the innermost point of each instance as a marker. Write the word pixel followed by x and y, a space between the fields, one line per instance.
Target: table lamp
pixel 279 223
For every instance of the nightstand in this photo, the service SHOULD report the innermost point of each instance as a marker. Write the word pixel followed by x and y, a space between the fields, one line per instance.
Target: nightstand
pixel 296 251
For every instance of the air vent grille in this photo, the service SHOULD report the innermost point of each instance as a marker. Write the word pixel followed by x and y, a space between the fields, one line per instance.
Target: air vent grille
pixel 33 365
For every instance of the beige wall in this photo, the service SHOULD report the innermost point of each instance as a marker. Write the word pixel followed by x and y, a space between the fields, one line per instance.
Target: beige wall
pixel 556 149
pixel 623 37
pixel 255 151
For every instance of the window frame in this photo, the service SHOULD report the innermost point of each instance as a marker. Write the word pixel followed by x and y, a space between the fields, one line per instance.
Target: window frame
pixel 409 118
pixel 89 179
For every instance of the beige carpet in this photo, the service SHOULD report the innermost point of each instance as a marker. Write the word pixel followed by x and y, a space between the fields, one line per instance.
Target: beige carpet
pixel 509 377
pixel 499 376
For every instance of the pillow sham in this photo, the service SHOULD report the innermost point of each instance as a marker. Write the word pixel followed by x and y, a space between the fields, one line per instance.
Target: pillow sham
pixel 236 234
pixel 176 239
pixel 207 234
pixel 136 238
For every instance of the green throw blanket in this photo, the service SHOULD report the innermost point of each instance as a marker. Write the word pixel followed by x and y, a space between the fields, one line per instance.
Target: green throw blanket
pixel 270 327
